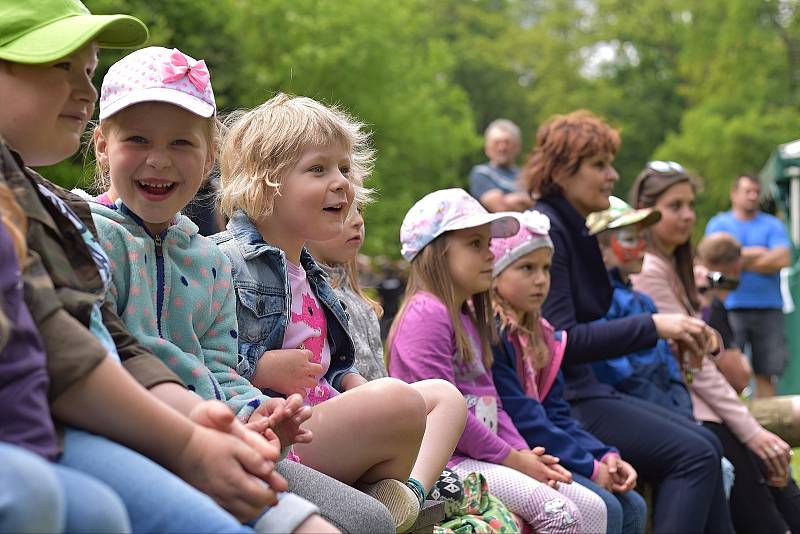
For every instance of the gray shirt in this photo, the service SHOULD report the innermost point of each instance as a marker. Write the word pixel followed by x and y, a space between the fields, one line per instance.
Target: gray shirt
pixel 365 329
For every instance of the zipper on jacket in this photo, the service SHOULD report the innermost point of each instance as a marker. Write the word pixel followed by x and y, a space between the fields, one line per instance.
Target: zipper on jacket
pixel 160 279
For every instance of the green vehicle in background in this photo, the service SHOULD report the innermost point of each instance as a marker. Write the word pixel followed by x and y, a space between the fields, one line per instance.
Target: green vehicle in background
pixel 780 184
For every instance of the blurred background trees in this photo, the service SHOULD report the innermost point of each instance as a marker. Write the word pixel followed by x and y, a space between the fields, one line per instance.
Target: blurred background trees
pixel 712 84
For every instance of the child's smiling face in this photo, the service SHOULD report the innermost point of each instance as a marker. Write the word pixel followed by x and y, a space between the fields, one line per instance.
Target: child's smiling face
pixel 44 109
pixel 157 155
pixel 314 199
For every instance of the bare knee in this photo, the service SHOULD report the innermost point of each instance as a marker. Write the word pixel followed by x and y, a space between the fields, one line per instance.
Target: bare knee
pixel 442 395
pixel 403 404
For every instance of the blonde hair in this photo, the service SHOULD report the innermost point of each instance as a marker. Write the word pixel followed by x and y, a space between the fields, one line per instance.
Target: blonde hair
pixel 15 222
pixel 102 177
pixel 262 145
pixel 430 272
pixel 528 325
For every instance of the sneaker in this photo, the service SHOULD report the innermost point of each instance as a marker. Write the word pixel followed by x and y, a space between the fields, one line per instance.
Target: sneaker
pixel 398 498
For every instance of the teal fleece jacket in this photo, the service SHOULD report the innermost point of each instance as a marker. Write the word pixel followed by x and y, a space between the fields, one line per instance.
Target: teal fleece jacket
pixel 175 293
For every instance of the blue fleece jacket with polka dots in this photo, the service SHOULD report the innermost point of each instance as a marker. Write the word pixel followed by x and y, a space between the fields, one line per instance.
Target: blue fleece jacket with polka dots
pixel 175 293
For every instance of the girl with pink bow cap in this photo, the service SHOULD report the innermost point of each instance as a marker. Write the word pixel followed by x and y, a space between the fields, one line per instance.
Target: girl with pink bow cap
pixel 155 144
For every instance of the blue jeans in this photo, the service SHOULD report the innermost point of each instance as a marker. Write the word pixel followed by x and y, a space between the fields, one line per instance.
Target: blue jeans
pixel 627 512
pixel 40 496
pixel 156 499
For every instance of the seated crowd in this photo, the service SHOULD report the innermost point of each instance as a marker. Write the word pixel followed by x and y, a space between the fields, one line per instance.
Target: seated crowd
pixel 552 357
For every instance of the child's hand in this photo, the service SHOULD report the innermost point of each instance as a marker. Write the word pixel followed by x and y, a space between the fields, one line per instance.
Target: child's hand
pixel 533 465
pixel 229 463
pixel 284 417
pixel 287 371
pixel 622 475
pixel 602 478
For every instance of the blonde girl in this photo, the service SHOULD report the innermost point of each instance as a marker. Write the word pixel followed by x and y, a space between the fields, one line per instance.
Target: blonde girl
pixel 444 329
pixel 285 178
pixel 156 143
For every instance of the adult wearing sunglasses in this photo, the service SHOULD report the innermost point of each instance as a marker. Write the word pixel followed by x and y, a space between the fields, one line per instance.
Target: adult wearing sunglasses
pixel 571 168
pixel 763 497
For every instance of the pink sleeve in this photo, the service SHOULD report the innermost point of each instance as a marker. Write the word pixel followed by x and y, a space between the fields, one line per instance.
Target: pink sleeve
pixel 710 385
pixel 422 348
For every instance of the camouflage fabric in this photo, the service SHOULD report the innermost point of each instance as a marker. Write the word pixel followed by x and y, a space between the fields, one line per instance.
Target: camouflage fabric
pixel 480 512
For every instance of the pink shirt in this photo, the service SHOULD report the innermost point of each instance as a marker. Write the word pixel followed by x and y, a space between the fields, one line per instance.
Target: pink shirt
pixel 307 329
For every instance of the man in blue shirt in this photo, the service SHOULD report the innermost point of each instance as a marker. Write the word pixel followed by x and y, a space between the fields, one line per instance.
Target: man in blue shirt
pixel 494 183
pixel 756 306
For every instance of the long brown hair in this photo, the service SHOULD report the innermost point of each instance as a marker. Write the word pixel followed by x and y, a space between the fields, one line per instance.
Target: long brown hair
pixel 430 272
pixel 562 143
pixel 646 189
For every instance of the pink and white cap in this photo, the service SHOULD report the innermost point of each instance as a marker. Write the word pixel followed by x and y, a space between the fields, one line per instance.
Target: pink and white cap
pixel 157 74
pixel 446 210
pixel 534 228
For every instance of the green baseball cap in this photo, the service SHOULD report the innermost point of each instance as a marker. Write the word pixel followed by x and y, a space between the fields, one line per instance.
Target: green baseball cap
pixel 618 215
pixel 40 31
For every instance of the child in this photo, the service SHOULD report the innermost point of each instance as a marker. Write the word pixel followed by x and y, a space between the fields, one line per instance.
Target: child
pixel 530 383
pixel 156 143
pixel 337 257
pixel 443 331
pixel 38 496
pixel 285 169
pixel 46 98
pixel 717 269
pixel 650 374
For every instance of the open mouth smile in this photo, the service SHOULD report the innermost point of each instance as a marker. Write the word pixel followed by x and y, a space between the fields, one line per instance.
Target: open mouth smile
pixel 155 190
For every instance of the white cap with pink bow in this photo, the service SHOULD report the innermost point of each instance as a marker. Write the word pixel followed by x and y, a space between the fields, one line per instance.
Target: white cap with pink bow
pixel 157 74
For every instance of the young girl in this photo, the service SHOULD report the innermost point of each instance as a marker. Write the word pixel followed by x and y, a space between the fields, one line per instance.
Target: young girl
pixel 285 169
pixel 443 331
pixel 527 372
pixel 172 287
pixel 337 257
pixel 45 101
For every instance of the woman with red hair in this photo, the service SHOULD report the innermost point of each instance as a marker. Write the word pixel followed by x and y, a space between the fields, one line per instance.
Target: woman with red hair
pixel 571 170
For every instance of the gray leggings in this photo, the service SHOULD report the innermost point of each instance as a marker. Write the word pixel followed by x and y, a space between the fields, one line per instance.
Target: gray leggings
pixel 349 509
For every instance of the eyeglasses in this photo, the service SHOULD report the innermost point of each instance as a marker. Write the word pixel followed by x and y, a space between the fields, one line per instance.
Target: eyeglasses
pixel 666 166
pixel 717 280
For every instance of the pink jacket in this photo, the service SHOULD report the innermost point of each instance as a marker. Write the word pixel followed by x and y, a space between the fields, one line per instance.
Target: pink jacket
pixel 713 398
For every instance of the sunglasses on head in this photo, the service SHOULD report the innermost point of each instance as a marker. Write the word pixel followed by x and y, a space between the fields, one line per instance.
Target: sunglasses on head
pixel 666 166
pixel 717 280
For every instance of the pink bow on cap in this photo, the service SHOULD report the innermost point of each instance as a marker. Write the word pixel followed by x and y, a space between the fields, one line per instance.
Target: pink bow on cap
pixel 178 67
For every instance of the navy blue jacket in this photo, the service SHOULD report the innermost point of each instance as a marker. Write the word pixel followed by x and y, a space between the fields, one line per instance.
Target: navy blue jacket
pixel 548 424
pixel 580 293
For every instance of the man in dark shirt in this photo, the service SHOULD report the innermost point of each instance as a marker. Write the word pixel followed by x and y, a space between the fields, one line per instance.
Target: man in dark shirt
pixel 494 183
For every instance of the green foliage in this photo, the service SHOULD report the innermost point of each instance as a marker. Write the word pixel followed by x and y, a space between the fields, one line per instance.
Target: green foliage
pixel 711 84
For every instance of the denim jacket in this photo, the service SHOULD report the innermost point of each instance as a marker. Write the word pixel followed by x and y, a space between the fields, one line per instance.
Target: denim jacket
pixel 264 299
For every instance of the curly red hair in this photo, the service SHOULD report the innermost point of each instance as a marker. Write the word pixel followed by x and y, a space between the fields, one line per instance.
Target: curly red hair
pixel 562 143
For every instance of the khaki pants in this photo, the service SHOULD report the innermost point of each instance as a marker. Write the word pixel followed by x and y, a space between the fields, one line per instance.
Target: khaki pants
pixel 780 415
